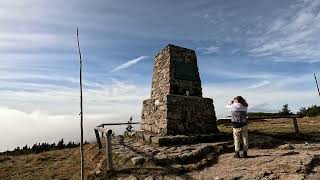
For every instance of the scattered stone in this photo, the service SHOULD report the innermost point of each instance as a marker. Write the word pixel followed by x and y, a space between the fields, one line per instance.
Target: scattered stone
pixel 180 178
pixel 286 147
pixel 130 178
pixel 236 177
pixel 265 173
pixel 169 178
pixel 149 178
pixel 271 163
pixel 138 160
pixel 290 153
pixel 147 137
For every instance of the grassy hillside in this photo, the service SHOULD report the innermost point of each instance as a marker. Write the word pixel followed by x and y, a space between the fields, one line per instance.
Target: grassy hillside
pixel 65 164
pixel 56 164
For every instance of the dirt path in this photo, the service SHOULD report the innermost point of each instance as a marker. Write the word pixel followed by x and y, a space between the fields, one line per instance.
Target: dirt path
pixel 296 161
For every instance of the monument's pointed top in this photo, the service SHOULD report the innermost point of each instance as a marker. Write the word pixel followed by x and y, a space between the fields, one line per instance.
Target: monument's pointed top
pixel 175 48
pixel 172 46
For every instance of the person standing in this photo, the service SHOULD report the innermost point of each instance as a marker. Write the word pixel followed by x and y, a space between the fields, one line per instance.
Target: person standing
pixel 238 107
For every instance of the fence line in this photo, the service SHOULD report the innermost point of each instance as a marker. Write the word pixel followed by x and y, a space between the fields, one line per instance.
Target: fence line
pixel 294 120
pixel 108 133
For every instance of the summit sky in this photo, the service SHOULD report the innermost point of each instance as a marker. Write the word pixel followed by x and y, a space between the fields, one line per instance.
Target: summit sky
pixel 264 50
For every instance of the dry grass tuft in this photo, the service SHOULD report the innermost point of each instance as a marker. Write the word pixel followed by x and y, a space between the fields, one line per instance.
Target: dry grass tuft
pixel 57 164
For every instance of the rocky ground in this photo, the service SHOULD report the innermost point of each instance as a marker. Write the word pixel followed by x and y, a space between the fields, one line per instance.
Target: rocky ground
pixel 276 152
pixel 288 161
pixel 268 159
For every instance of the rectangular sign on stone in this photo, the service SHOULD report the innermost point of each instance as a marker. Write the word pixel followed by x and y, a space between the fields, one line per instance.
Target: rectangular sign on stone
pixel 185 71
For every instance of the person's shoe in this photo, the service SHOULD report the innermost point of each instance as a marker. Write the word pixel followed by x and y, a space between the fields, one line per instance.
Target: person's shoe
pixel 245 154
pixel 236 154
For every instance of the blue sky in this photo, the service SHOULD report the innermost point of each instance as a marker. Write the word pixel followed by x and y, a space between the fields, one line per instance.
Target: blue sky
pixel 265 50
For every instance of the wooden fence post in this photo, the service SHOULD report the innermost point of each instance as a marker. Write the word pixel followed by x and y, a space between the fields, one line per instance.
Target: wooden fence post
pixel 109 151
pixel 98 138
pixel 102 132
pixel 295 124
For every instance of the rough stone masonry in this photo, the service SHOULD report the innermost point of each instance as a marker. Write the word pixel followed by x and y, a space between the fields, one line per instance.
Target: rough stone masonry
pixel 176 105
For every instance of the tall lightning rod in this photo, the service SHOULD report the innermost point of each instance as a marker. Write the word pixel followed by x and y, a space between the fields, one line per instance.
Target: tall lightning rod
pixel 81 112
pixel 315 77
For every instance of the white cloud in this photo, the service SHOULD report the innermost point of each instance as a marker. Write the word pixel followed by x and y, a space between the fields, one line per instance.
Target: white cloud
pixel 129 63
pixel 234 73
pixel 292 35
pixel 206 16
pixel 267 100
pixel 117 92
pixel 235 51
pixel 48 115
pixel 41 126
pixel 263 107
pixel 33 113
pixel 34 40
pixel 268 92
pixel 259 85
pixel 210 50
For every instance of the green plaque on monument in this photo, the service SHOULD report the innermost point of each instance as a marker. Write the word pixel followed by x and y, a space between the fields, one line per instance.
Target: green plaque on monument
pixel 185 71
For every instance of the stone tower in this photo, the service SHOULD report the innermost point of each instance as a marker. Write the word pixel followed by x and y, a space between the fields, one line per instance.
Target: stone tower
pixel 176 105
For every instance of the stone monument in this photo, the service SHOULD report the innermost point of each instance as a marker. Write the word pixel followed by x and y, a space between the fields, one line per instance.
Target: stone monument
pixel 176 106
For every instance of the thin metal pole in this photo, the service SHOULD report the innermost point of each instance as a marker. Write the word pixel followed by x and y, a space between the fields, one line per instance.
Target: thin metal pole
pixel 316 83
pixel 81 112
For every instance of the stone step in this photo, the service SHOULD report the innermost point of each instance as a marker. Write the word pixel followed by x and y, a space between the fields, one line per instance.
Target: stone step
pixel 161 141
pixel 129 153
pixel 132 153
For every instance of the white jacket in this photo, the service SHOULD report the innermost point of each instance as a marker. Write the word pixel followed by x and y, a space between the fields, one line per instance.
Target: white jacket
pixel 238 113
pixel 236 106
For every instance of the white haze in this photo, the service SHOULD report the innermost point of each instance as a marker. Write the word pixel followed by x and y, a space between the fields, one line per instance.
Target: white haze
pixel 48 116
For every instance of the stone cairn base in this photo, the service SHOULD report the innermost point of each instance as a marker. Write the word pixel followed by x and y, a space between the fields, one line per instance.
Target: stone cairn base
pixel 179 153
pixel 164 141
pixel 131 152
pixel 146 155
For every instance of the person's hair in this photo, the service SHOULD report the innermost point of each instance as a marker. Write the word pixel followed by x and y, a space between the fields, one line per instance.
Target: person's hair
pixel 241 100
